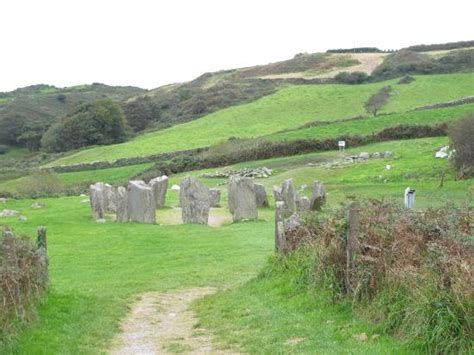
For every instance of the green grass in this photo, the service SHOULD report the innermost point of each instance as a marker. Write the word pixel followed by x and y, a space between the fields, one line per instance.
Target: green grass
pixel 373 125
pixel 288 108
pixel 270 315
pixel 118 175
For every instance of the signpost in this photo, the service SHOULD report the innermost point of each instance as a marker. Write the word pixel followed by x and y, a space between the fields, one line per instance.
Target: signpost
pixel 341 145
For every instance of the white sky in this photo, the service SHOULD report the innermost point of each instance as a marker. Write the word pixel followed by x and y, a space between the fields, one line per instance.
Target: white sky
pixel 149 43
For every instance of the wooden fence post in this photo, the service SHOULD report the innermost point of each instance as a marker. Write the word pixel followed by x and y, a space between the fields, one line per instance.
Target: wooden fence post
pixel 13 285
pixel 352 242
pixel 42 245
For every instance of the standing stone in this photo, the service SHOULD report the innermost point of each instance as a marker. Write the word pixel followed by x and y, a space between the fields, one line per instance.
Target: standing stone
pixel 159 186
pixel 289 197
pixel 261 195
pixel 318 199
pixel 277 193
pixel 141 202
pixel 303 204
pixel 122 204
pixel 194 200
pixel 214 197
pixel 110 199
pixel 242 198
pixel 364 156
pixel 279 229
pixel 97 199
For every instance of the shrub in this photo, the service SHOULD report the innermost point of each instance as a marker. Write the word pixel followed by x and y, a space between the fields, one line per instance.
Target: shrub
pixel 41 183
pixel 411 272
pixel 407 79
pixel 29 274
pixel 102 122
pixel 3 149
pixel 351 77
pixel 461 135
pixel 140 112
pixel 378 100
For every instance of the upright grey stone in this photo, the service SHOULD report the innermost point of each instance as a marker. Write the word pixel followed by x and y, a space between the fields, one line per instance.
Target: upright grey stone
pixel 277 193
pixel 98 201
pixel 279 228
pixel 194 200
pixel 289 197
pixel 214 197
pixel 242 198
pixel 122 204
pixel 110 199
pixel 303 204
pixel 261 195
pixel 318 199
pixel 141 202
pixel 160 187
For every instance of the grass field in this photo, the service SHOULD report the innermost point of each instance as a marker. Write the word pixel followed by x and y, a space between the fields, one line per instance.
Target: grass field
pixel 368 126
pixel 118 175
pixel 288 108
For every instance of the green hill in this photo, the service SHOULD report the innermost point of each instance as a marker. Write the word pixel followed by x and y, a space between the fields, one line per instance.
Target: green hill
pixel 290 107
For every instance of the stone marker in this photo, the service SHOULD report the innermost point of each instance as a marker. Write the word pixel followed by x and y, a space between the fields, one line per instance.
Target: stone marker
pixel 279 229
pixel 303 204
pixel 141 202
pixel 110 199
pixel 9 213
pixel 194 200
pixel 214 197
pixel 289 197
pixel 261 195
pixel 318 199
pixel 277 193
pixel 364 156
pixel 242 198
pixel 159 186
pixel 97 200
pixel 122 205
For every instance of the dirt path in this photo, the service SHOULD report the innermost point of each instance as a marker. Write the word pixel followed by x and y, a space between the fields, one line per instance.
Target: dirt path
pixel 162 323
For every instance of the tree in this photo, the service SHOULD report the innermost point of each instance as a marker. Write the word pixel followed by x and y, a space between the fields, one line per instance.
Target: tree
pixel 30 137
pixel 378 100
pixel 140 112
pixel 102 122
pixel 461 135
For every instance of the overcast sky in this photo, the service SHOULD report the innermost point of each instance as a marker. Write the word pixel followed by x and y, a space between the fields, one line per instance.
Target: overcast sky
pixel 149 43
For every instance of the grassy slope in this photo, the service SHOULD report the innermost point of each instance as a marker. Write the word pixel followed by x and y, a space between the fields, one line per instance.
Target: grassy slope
pixel 83 178
pixel 288 108
pixel 376 124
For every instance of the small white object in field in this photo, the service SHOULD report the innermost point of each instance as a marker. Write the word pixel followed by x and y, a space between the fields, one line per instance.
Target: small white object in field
pixel 9 213
pixel 443 152
pixel 100 220
pixel 23 218
pixel 388 167
pixel 175 188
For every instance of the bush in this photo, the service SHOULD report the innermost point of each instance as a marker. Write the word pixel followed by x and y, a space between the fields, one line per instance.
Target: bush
pixel 462 141
pixel 3 149
pixel 351 77
pixel 102 122
pixel 411 272
pixel 140 112
pixel 30 275
pixel 407 79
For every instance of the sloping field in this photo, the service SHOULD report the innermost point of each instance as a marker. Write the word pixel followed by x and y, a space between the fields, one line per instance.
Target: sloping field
pixel 373 125
pixel 288 108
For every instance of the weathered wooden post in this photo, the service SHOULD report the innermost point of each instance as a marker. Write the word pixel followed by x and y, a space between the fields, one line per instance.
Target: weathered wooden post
pixel 42 250
pixel 9 252
pixel 352 242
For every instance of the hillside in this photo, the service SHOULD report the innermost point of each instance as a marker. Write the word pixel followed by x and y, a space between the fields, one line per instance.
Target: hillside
pixel 290 107
pixel 37 107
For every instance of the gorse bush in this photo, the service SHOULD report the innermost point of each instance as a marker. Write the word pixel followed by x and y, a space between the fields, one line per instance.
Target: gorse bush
pixel 3 149
pixel 102 122
pixel 462 141
pixel 412 272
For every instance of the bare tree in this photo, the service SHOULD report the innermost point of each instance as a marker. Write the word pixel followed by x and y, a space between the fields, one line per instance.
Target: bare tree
pixel 378 100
